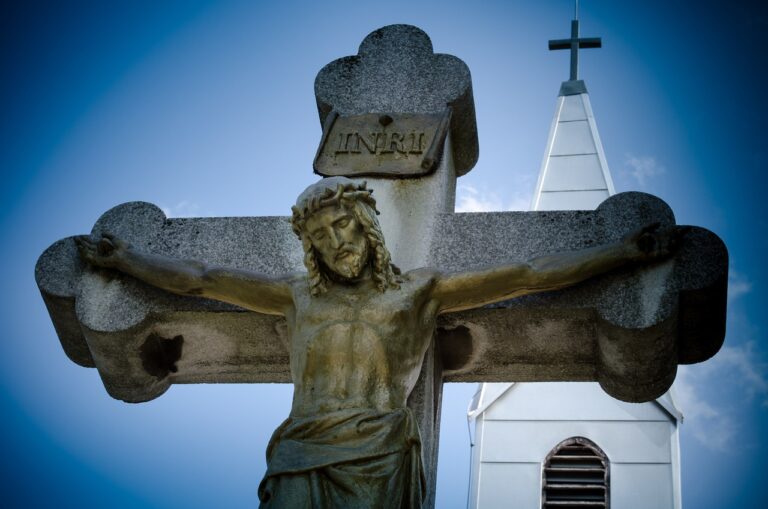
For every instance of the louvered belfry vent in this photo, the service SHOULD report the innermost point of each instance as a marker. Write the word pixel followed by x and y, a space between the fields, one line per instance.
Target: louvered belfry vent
pixel 575 475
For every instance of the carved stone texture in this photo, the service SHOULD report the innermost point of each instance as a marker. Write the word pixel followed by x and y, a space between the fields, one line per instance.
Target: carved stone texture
pixel 393 145
pixel 396 71
pixel 105 322
pixel 628 329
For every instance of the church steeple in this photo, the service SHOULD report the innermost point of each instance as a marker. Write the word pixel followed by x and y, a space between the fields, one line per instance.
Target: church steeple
pixel 574 174
pixel 574 85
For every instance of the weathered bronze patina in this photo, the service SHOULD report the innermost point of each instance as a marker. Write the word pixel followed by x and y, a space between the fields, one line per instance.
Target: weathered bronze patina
pixel 358 332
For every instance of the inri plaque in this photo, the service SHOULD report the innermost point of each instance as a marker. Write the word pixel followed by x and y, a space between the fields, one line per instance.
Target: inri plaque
pixel 381 144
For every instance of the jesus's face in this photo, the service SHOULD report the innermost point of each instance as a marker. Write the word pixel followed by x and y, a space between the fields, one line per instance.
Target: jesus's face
pixel 338 239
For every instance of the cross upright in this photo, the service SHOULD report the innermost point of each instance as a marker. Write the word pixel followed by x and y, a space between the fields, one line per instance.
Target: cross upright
pixel 154 301
pixel 574 44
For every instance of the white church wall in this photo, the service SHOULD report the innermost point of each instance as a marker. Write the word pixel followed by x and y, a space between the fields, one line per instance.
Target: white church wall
pixel 508 485
pixel 575 173
pixel 571 138
pixel 636 442
pixel 476 442
pixel 568 401
pixel 641 486
pixel 569 200
pixel 632 486
pixel 515 434
pixel 571 107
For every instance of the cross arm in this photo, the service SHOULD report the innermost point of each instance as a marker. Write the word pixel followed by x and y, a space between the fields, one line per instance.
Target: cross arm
pixel 584 42
pixel 251 290
pixel 468 290
pixel 627 329
pixel 143 339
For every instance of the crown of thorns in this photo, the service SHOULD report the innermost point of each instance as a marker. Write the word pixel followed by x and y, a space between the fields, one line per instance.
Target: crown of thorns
pixel 322 194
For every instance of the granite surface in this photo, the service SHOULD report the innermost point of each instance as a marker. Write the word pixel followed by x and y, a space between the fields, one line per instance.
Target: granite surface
pixel 396 71
pixel 628 329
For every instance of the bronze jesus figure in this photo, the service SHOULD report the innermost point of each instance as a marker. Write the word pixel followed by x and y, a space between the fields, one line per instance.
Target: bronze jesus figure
pixel 358 332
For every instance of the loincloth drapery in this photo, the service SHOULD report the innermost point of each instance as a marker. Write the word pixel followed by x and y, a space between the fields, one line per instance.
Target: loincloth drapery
pixel 353 458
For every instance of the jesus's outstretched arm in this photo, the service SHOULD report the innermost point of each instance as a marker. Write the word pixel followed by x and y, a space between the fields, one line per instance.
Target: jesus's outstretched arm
pixel 467 290
pixel 243 288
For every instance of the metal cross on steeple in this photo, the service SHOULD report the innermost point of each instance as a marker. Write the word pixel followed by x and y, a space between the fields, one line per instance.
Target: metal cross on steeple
pixel 574 43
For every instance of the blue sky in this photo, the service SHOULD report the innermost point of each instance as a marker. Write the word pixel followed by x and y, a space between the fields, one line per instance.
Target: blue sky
pixel 207 108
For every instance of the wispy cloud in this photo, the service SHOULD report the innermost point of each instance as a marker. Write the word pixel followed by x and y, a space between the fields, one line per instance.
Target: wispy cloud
pixel 742 370
pixel 643 168
pixel 743 364
pixel 520 201
pixel 737 377
pixel 182 209
pixel 713 428
pixel 470 199
pixel 738 284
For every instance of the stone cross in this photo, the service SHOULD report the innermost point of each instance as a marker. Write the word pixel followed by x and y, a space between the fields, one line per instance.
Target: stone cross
pixel 397 87
pixel 402 117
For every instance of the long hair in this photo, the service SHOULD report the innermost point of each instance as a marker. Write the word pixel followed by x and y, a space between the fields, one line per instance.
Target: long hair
pixel 358 200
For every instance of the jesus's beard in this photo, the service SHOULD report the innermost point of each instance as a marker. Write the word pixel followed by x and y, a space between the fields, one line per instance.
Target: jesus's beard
pixel 349 262
pixel 349 267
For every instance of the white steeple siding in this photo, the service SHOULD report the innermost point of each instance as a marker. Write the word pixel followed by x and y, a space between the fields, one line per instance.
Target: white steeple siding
pixel 574 174
pixel 517 425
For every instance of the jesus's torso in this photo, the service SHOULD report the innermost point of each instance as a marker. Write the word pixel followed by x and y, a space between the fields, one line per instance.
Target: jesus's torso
pixel 356 347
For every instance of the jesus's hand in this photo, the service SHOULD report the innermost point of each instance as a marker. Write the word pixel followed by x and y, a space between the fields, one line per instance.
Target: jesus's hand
pixel 652 242
pixel 105 252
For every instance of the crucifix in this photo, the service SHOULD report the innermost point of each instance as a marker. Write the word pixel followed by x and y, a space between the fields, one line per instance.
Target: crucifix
pixel 367 330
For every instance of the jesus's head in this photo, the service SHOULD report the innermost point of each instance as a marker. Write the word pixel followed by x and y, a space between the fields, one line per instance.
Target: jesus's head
pixel 335 219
